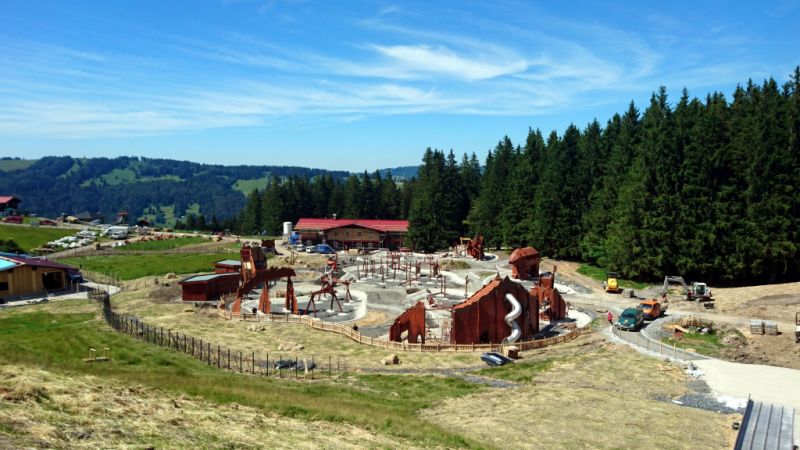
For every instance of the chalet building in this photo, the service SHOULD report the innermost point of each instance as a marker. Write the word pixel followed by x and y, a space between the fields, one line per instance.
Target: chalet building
pixel 353 233
pixel 21 275
pixel 8 205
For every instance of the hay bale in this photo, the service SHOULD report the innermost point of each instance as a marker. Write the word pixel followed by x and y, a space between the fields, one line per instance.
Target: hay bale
pixel 286 346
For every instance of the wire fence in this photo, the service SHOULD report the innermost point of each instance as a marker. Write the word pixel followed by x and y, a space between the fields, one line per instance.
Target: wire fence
pixel 255 363
pixel 657 346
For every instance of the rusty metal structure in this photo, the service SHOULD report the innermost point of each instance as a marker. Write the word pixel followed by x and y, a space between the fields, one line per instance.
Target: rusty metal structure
pixel 524 263
pixel 481 318
pixel 254 272
pixel 413 321
pixel 328 288
pixel 475 248
pixel 552 305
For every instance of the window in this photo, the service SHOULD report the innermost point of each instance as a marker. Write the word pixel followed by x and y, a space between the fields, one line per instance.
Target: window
pixel 359 233
pixel 3 285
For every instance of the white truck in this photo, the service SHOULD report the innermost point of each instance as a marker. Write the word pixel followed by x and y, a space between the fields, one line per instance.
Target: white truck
pixel 117 232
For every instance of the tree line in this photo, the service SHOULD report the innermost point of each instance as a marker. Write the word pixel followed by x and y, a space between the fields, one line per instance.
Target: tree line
pixel 364 196
pixel 703 188
pixel 706 188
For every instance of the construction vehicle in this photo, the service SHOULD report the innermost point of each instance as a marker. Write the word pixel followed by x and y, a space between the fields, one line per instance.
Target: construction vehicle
pixel 700 292
pixel 696 291
pixel 612 284
pixel 797 328
pixel 651 309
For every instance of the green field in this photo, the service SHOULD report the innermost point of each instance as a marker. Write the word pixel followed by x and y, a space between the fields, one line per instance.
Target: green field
pixel 519 372
pixel 165 244
pixel 599 274
pixel 247 186
pixel 131 267
pixel 7 165
pixel 29 237
pixel 706 344
pixel 386 404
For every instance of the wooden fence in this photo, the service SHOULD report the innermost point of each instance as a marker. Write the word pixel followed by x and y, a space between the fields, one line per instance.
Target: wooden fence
pixel 318 324
pixel 309 367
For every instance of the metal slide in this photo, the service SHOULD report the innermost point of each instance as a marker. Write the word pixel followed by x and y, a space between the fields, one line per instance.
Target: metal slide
pixel 511 319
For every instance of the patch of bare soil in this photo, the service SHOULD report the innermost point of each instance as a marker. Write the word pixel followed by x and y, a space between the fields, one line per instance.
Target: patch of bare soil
pixel 374 317
pixel 780 350
pixel 40 409
pixel 777 302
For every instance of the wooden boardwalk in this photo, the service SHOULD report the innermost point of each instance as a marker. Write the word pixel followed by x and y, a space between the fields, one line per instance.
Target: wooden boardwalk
pixel 766 427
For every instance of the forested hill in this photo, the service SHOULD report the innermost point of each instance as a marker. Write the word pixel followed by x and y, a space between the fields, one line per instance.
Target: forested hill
pixel 705 188
pixel 161 189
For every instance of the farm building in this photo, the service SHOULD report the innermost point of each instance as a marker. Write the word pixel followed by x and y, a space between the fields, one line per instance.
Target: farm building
pixel 20 275
pixel 353 233
pixel 8 205
pixel 228 266
pixel 201 288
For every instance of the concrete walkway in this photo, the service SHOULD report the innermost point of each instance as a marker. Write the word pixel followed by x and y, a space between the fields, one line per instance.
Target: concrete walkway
pixel 777 385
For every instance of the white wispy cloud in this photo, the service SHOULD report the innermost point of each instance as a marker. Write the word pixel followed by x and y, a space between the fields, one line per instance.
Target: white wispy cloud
pixel 401 67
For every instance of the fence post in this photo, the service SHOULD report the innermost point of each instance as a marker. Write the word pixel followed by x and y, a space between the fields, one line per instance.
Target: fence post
pixel 218 355
pixel 208 353
pixel 254 361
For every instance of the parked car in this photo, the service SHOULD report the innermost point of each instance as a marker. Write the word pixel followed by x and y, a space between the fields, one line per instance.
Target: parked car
pixel 495 359
pixel 325 249
pixel 311 249
pixel 47 222
pixel 631 319
pixel 300 248
pixel 13 219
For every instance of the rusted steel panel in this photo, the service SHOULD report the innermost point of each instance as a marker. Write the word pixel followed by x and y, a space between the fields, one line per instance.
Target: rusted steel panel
pixel 481 318
pixel 524 263
pixel 413 321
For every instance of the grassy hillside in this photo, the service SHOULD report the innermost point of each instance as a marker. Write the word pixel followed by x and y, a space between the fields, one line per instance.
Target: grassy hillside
pixel 7 165
pixel 141 186
pixel 131 267
pixel 55 338
pixel 29 237
pixel 166 244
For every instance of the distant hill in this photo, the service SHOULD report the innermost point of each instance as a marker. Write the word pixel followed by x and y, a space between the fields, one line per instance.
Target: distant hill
pixel 160 189
pixel 401 173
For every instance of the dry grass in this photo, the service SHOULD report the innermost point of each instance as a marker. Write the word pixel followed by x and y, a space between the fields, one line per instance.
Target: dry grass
pixel 601 397
pixel 203 323
pixel 47 410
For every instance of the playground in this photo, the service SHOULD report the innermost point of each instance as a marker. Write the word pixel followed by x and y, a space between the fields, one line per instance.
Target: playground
pixel 485 301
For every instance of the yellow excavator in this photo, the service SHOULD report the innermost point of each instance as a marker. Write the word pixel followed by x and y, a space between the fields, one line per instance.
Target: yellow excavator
pixel 611 284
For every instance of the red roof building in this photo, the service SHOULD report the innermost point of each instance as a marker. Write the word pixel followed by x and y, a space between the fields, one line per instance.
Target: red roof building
pixel 8 205
pixel 353 233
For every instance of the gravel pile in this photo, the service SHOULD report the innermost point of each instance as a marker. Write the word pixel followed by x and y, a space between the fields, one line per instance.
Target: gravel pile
pixel 700 401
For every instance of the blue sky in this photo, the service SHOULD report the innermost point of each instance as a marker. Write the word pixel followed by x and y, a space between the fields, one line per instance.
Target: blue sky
pixel 357 84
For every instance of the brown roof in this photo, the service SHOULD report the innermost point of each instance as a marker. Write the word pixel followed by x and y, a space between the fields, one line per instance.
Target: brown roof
pixel 482 292
pixel 523 253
